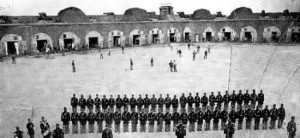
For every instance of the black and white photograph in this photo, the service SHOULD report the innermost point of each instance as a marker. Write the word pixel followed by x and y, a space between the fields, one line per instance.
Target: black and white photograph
pixel 149 68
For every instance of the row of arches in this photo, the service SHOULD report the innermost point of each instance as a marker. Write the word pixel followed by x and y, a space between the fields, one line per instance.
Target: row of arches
pixel 13 44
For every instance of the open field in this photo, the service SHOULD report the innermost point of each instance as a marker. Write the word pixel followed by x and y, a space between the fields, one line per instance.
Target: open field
pixel 47 85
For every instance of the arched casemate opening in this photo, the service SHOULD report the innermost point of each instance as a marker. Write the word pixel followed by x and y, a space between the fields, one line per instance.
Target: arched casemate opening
pixel 156 36
pixel 173 35
pixel 227 34
pixel 271 34
pixel 248 34
pixel 187 34
pixel 293 35
pixel 137 37
pixel 40 42
pixel 116 38
pixel 69 41
pixel 208 34
pixel 94 40
pixel 12 44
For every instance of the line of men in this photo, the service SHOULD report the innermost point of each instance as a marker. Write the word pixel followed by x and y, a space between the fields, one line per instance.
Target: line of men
pixel 200 117
pixel 143 105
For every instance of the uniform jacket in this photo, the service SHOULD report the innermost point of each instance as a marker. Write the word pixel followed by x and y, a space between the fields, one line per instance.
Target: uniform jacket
pixel 74 102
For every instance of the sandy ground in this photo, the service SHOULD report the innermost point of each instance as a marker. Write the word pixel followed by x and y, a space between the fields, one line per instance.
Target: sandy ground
pixel 47 85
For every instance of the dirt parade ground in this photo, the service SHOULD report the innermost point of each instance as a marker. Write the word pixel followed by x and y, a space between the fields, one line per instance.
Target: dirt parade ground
pixel 42 87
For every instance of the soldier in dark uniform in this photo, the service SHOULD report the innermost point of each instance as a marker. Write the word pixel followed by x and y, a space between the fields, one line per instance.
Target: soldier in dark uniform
pixel 65 118
pixel 175 118
pixel 18 133
pixel 108 117
pixel 232 116
pixel 197 101
pixel 281 116
pixel 180 131
pixel 233 99
pixel 182 102
pixel 190 101
pixel 226 99
pixel 159 119
pixel 105 103
pixel 126 119
pixel 265 115
pixel 83 120
pixel 224 118
pixel 207 117
pixel 204 101
pixel 247 99
pixel 273 115
pixel 168 102
pixel 57 132
pixel 219 100
pixel 91 119
pixel 125 102
pixel 192 119
pixel 153 103
pixel 200 117
pixel 74 119
pixel 212 101
pixel 260 99
pixel 117 119
pixel 175 103
pixel 184 117
pixel 74 102
pixel 161 102
pixel 239 100
pixel 147 103
pixel 132 103
pixel 107 133
pixel 248 115
pixel 30 128
pixel 292 128
pixel 99 119
pixel 119 103
pixel 257 116
pixel 97 103
pixel 167 119
pixel 253 99
pixel 240 115
pixel 134 120
pixel 90 103
pixel 140 103
pixel 229 129
pixel 111 103
pixel 151 119
pixel 82 103
pixel 216 116
pixel 143 120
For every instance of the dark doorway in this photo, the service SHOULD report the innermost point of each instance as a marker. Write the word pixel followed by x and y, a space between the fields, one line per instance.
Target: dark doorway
pixel 68 44
pixel 93 42
pixel 187 37
pixel 155 38
pixel 11 49
pixel 295 37
pixel 227 36
pixel 274 37
pixel 116 40
pixel 208 36
pixel 136 39
pixel 172 37
pixel 248 37
pixel 41 45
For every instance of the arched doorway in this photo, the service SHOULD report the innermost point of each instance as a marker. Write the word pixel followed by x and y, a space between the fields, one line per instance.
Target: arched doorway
pixel 187 34
pixel 116 38
pixel 69 41
pixel 248 34
pixel 271 34
pixel 93 39
pixel 156 36
pixel 173 35
pixel 293 35
pixel 40 41
pixel 227 34
pixel 12 44
pixel 137 37
pixel 208 34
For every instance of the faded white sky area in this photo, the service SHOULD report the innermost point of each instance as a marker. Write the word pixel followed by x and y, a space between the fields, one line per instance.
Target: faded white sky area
pixel 96 7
